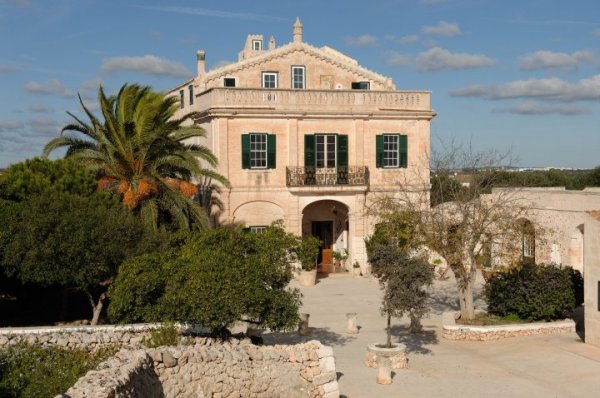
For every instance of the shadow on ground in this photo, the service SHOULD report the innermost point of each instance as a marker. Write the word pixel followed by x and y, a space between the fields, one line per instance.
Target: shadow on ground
pixel 416 343
pixel 324 335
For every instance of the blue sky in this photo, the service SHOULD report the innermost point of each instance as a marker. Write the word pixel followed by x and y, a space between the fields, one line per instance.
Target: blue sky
pixel 504 74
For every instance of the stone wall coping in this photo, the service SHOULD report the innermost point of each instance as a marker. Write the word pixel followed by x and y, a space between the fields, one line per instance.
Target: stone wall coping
pixel 137 327
pixel 449 323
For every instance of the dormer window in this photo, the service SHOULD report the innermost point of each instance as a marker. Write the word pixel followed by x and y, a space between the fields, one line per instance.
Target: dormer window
pixel 269 80
pixel 361 86
pixel 298 77
pixel 229 82
pixel 257 45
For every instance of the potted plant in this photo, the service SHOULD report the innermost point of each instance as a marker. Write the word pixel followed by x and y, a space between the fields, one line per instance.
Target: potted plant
pixel 340 257
pixel 356 269
pixel 308 250
pixel 403 279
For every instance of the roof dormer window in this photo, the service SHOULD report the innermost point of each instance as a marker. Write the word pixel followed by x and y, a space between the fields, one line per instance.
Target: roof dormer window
pixel 361 86
pixel 257 45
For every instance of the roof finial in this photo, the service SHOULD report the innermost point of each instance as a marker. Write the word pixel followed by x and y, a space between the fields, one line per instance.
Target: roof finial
pixel 297 31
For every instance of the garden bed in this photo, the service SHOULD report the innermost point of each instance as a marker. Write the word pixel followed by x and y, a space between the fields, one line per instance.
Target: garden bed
pixel 454 331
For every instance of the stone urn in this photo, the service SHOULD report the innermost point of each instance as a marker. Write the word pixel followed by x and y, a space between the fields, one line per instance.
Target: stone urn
pixel 307 278
pixel 356 271
pixel 396 354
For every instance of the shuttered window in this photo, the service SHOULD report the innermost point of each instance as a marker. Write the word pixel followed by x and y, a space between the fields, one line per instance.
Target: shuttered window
pixel 259 151
pixel 391 151
pixel 325 150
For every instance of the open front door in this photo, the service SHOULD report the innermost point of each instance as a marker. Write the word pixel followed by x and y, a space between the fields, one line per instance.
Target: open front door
pixel 323 230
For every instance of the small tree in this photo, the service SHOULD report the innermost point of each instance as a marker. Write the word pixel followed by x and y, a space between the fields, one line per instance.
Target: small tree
pixel 307 252
pixel 404 280
pixel 74 241
pixel 216 278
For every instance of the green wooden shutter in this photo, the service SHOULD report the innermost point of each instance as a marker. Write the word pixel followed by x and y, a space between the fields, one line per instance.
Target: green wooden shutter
pixel 271 151
pixel 379 150
pixel 342 150
pixel 309 150
pixel 403 151
pixel 245 151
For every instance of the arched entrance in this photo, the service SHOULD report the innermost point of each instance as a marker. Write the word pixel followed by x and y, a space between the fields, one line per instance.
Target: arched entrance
pixel 576 249
pixel 327 220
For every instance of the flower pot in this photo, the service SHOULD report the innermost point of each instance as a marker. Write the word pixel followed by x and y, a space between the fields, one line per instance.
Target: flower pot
pixel 307 278
pixel 397 355
pixel 356 271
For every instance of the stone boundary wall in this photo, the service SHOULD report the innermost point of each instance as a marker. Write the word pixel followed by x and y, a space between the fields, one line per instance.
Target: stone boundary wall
pixel 234 369
pixel 89 338
pixel 454 331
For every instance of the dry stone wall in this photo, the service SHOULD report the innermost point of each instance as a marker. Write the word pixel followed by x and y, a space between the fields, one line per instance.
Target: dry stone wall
pixel 86 337
pixel 212 369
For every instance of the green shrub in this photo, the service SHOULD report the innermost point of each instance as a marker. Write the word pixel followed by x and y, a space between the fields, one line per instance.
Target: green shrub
pixel 34 371
pixel 532 292
pixel 167 334
pixel 308 250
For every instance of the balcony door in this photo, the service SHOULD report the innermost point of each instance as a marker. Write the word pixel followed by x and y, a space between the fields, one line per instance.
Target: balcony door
pixel 325 151
pixel 326 159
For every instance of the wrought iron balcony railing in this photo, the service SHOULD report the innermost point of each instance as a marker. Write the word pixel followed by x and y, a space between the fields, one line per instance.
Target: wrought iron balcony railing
pixel 312 176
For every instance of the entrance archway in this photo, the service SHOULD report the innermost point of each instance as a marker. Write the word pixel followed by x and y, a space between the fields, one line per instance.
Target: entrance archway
pixel 576 249
pixel 327 220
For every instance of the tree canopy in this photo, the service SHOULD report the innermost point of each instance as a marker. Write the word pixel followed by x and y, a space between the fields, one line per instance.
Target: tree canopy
pixel 145 154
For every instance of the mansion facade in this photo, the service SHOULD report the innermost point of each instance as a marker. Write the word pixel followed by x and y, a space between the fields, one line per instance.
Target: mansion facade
pixel 308 136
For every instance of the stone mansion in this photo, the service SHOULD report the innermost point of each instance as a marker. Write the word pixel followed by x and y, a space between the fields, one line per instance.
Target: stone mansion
pixel 307 135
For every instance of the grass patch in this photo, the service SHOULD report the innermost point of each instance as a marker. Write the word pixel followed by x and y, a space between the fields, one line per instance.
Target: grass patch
pixel 35 371
pixel 485 319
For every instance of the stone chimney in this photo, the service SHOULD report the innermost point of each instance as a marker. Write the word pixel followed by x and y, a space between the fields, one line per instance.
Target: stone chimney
pixel 297 31
pixel 272 43
pixel 200 56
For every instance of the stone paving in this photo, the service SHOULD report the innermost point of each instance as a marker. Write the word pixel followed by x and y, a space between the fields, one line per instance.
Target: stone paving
pixel 534 366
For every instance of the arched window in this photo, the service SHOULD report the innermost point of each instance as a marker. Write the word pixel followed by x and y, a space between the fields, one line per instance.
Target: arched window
pixel 527 241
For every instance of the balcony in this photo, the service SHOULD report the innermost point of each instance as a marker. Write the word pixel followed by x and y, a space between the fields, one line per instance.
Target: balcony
pixel 351 176
pixel 339 101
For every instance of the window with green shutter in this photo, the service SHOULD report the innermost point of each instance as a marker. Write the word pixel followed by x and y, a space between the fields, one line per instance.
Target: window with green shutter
pixel 309 150
pixel 259 151
pixel 391 151
pixel 342 150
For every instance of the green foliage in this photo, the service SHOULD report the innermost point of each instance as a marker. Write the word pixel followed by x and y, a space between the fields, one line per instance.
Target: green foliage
pixel 34 177
pixel 444 188
pixel 403 279
pixel 142 152
pixel 532 292
pixel 216 278
pixel 399 229
pixel 307 251
pixel 33 371
pixel 166 335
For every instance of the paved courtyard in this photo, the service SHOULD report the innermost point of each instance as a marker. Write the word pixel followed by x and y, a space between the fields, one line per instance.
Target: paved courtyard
pixel 534 366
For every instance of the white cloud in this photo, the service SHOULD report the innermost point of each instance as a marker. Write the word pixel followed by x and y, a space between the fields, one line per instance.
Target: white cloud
pixel 214 13
pixel 44 126
pixel 547 88
pixel 442 29
pixel 397 59
pixel 550 59
pixel 147 64
pixel 361 41
pixel 438 58
pixel 92 84
pixel 11 125
pixel 408 39
pixel 39 108
pixel 534 108
pixel 52 87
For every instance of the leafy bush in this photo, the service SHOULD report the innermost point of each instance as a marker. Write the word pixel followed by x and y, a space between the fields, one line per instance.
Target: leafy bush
pixel 532 292
pixel 33 371
pixel 167 334
pixel 308 250
pixel 216 278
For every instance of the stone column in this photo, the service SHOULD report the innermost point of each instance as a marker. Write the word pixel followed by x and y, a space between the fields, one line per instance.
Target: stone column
pixel 352 323
pixel 303 325
pixel 384 365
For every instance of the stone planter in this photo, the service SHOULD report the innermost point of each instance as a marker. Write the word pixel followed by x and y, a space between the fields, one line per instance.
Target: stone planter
pixel 397 355
pixel 356 271
pixel 307 278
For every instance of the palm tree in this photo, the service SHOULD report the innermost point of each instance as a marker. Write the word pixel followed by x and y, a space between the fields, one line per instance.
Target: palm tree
pixel 143 153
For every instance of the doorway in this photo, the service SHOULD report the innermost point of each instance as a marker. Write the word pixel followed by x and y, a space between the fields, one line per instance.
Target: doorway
pixel 323 230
